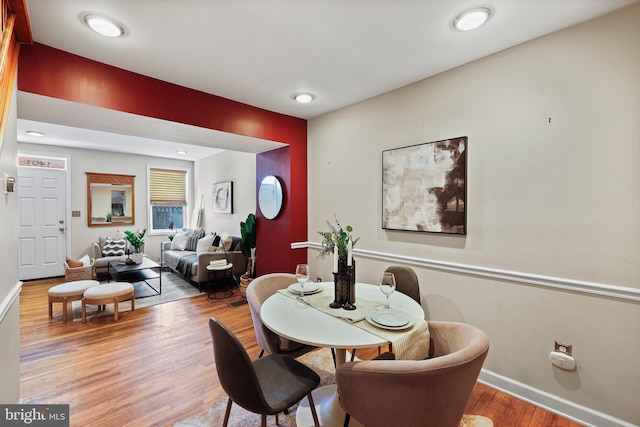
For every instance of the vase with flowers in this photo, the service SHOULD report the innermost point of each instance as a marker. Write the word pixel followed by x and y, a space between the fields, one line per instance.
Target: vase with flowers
pixel 338 242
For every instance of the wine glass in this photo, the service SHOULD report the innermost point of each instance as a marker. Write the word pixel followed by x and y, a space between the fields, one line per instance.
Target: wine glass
pixel 387 284
pixel 302 275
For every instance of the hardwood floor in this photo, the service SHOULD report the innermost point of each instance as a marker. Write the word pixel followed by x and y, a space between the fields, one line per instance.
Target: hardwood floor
pixel 155 365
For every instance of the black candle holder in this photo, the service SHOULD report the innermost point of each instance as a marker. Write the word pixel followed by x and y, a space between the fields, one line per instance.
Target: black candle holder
pixel 336 303
pixel 351 291
pixel 344 286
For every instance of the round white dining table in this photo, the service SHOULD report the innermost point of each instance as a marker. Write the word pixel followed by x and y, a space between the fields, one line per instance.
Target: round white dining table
pixel 298 321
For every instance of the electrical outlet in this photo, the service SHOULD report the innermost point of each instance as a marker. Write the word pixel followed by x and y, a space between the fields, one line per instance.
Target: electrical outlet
pixel 563 348
pixel 75 214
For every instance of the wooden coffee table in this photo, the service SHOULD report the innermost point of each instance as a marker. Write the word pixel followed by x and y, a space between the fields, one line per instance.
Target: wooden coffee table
pixel 137 273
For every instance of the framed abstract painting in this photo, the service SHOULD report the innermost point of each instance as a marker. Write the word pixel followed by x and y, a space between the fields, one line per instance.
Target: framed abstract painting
pixel 424 187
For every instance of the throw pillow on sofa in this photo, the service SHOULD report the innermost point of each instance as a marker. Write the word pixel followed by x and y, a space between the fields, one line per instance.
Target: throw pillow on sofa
pixel 204 244
pixel 114 247
pixel 179 242
pixel 194 235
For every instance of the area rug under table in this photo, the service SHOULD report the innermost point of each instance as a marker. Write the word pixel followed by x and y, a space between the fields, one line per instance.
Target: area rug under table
pixel 173 288
pixel 320 361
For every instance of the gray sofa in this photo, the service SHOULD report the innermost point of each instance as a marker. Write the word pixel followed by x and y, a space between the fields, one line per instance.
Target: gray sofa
pixel 191 265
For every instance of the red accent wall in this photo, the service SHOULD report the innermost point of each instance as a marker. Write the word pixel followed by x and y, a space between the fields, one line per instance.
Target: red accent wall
pixel 55 73
pixel 291 223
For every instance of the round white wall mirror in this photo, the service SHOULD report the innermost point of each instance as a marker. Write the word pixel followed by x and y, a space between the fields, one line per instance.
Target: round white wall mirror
pixel 270 197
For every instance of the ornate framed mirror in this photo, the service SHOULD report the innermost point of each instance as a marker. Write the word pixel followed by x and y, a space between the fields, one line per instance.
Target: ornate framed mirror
pixel 110 199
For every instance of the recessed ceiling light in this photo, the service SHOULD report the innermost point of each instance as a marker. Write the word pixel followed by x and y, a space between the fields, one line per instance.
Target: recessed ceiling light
pixel 303 98
pixel 104 26
pixel 471 19
pixel 182 152
pixel 33 133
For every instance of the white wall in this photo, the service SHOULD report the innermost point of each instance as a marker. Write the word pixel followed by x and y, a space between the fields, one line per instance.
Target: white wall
pixel 82 161
pixel 553 184
pixel 9 284
pixel 240 168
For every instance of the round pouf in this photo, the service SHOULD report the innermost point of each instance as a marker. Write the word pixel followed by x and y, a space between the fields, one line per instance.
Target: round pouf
pixel 69 291
pixel 110 293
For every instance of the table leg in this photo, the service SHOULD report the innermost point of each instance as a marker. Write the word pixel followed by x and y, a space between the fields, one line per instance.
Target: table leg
pixel 326 402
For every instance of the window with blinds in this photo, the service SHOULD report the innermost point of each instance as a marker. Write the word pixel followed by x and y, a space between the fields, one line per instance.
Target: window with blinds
pixel 167 199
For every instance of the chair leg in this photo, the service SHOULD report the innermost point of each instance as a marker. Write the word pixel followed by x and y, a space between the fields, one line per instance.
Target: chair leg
pixel 261 353
pixel 347 417
pixel 263 421
pixel 226 413
pixel 353 355
pixel 313 410
pixel 333 353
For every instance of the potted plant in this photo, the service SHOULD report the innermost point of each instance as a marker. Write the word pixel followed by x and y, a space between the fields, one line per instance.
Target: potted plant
pixel 137 241
pixel 109 217
pixel 248 247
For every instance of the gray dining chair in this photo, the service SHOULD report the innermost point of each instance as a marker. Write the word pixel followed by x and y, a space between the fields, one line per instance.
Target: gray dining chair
pixel 265 386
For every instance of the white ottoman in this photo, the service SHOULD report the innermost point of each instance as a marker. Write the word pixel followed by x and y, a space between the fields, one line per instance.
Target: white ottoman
pixel 107 294
pixel 69 291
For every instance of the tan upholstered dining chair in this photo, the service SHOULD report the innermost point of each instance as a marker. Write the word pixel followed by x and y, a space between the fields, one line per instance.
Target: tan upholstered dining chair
pixel 430 393
pixel 265 386
pixel 258 291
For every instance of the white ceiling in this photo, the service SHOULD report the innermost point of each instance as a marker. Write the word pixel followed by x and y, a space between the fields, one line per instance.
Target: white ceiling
pixel 260 52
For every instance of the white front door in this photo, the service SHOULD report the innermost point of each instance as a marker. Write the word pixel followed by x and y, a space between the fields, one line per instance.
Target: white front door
pixel 41 222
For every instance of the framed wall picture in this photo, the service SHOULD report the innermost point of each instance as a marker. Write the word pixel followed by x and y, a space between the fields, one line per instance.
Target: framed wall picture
pixel 424 187
pixel 223 197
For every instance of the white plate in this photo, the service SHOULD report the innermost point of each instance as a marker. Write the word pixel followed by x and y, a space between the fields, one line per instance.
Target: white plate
pixel 390 317
pixel 309 288
pixel 390 328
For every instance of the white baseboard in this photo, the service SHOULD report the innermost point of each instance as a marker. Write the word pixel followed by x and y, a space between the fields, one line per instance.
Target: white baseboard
pixel 9 299
pixel 550 402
